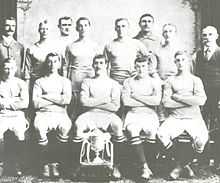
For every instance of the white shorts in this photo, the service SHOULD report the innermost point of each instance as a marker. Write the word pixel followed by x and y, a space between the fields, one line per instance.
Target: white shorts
pixel 98 119
pixel 173 127
pixel 14 121
pixel 46 121
pixel 137 122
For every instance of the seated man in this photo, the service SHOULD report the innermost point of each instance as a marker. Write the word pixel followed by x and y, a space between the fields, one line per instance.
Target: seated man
pixel 13 99
pixel 142 93
pixel 183 94
pixel 101 95
pixel 51 94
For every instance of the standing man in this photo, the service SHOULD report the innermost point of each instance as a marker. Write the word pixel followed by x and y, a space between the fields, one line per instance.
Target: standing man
pixel 141 94
pixel 122 52
pixel 166 65
pixel 183 94
pixel 36 54
pixel 51 94
pixel 13 100
pixel 146 34
pixel 65 25
pixel 79 57
pixel 207 66
pixel 101 96
pixel 9 47
pixel 168 48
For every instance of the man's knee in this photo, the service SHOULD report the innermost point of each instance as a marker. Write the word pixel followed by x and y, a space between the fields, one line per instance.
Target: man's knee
pixel 133 130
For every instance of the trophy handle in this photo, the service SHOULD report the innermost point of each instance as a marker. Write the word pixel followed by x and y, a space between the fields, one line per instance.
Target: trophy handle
pixel 85 149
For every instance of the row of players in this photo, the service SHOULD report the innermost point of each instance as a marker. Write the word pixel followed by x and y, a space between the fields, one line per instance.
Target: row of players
pixel 183 94
pixel 120 53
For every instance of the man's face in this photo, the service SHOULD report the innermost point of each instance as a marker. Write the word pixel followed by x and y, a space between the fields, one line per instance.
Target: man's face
pixel 99 65
pixel 83 27
pixel 146 24
pixel 122 28
pixel 44 31
pixel 209 36
pixel 182 62
pixel 53 64
pixel 142 69
pixel 65 27
pixel 9 70
pixel 169 32
pixel 9 27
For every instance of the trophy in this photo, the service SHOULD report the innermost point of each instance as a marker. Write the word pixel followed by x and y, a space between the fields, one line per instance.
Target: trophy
pixel 97 149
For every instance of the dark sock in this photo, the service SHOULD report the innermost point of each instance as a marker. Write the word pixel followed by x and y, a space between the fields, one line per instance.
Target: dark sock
pixel 150 150
pixel 20 150
pixel 137 150
pixel 183 153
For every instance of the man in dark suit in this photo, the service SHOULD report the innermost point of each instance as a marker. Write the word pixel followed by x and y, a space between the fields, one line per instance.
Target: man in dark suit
pixel 9 47
pixel 207 67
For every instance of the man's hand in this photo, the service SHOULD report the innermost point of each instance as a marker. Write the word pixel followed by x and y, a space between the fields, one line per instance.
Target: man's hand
pixel 176 97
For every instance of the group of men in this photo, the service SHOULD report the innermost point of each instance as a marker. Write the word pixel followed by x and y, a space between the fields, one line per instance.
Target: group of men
pixel 134 86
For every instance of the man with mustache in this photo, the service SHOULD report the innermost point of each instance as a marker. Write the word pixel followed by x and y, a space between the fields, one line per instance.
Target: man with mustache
pixel 207 66
pixel 9 47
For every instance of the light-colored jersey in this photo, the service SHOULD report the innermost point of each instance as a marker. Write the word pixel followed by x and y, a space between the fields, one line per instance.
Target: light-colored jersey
pixel 121 55
pixel 148 86
pixel 80 54
pixel 56 87
pixel 79 57
pixel 151 41
pixel 36 56
pixel 100 88
pixel 166 65
pixel 14 92
pixel 189 85
pixel 61 43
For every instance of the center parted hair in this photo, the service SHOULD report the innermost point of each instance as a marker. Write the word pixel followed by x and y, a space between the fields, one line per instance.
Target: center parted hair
pixel 99 56
pixel 146 58
pixel 121 19
pixel 146 15
pixel 64 18
pixel 52 54
pixel 82 18
pixel 44 22
pixel 181 52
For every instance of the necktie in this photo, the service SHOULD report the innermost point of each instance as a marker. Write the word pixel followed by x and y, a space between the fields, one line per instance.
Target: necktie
pixel 207 53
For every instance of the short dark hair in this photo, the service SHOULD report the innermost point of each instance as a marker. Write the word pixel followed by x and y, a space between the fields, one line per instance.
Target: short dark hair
pixel 146 15
pixel 52 54
pixel 82 18
pixel 42 23
pixel 120 19
pixel 64 18
pixel 99 56
pixel 181 52
pixel 8 18
pixel 141 59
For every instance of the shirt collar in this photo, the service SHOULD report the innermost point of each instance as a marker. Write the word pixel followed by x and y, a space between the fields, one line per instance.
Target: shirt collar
pixel 7 41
